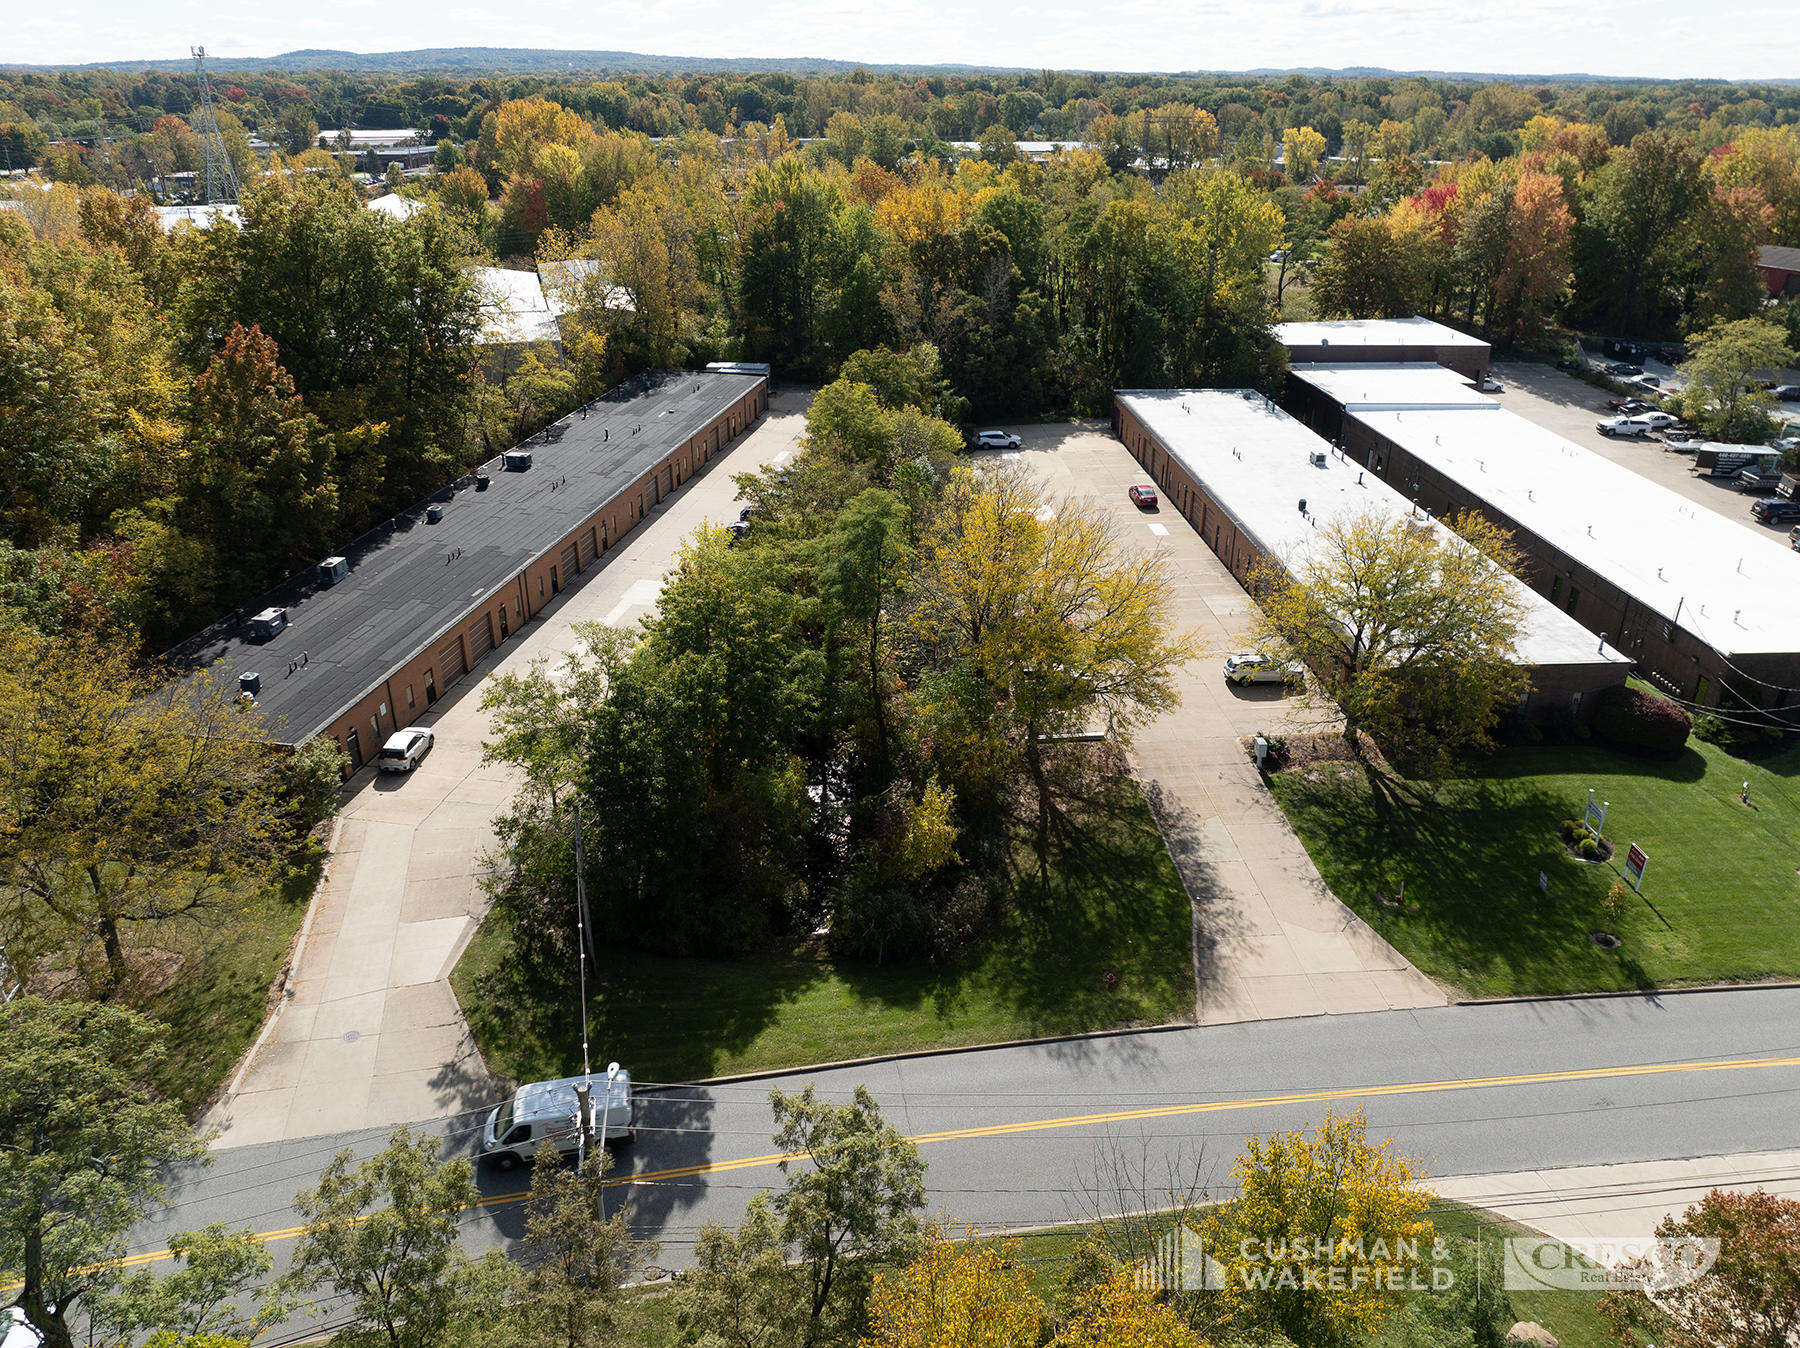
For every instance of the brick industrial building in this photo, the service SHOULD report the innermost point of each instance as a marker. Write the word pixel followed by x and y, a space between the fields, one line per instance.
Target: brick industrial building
pixel 368 644
pixel 1698 601
pixel 1254 482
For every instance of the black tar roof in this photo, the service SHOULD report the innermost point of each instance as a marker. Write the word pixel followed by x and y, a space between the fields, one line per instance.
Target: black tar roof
pixel 402 592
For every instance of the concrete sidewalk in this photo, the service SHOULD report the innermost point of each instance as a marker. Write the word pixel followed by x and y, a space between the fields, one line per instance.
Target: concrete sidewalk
pixel 1270 939
pixel 1601 1202
pixel 368 1033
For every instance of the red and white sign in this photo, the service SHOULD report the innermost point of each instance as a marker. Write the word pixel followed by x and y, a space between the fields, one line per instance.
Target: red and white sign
pixel 1635 861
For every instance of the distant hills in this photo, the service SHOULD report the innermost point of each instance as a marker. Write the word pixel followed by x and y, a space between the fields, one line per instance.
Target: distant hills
pixel 516 60
pixel 548 61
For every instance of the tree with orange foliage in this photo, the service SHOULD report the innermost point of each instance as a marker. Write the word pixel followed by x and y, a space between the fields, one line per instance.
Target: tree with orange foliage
pixel 1534 274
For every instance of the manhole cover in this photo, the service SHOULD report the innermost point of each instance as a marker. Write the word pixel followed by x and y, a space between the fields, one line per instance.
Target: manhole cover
pixel 1605 940
pixel 351 1036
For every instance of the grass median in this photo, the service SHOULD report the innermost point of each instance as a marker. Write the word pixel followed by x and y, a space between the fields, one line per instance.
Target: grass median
pixel 1112 904
pixel 1495 905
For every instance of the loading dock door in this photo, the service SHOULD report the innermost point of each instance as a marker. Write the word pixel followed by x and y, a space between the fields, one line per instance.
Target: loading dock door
pixel 450 661
pixel 587 547
pixel 569 564
pixel 481 638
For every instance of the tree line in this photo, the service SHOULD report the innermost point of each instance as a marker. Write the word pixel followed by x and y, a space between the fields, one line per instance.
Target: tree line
pixel 834 711
pixel 1655 236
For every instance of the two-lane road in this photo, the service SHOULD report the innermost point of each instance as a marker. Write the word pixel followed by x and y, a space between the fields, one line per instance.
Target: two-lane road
pixel 1013 1135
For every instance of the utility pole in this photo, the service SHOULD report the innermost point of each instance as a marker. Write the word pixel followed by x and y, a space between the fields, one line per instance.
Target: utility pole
pixel 219 180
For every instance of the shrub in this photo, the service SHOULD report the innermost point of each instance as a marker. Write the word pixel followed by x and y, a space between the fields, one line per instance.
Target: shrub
pixel 1711 729
pixel 1641 720
pixel 1589 848
pixel 1533 735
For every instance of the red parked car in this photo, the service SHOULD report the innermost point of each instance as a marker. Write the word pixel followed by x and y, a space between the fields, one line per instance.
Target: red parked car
pixel 1143 494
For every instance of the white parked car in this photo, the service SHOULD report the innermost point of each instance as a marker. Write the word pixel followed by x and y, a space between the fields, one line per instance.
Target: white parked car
pixel 1491 385
pixel 1253 668
pixel 1642 424
pixel 997 440
pixel 403 750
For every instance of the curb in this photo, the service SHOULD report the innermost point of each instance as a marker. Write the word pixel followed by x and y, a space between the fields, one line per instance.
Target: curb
pixel 1642 994
pixel 772 1072
pixel 293 965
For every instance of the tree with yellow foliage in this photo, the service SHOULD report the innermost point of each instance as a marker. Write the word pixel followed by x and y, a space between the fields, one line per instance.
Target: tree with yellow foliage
pixel 121 804
pixel 1035 620
pixel 1330 1228
pixel 1303 147
pixel 960 1293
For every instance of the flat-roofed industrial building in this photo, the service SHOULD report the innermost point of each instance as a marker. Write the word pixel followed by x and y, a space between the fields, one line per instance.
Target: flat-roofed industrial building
pixel 1385 340
pixel 427 594
pixel 1698 601
pixel 1254 483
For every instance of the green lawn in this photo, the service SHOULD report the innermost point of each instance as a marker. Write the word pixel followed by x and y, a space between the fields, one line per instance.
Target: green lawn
pixel 1719 902
pixel 214 1011
pixel 1113 904
pixel 1569 1315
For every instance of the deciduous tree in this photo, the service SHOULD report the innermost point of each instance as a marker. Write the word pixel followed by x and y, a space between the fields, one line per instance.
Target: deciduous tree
pixel 382 1235
pixel 122 803
pixel 1325 1197
pixel 83 1146
pixel 1749 1299
pixel 1718 394
pixel 854 1190
pixel 1409 628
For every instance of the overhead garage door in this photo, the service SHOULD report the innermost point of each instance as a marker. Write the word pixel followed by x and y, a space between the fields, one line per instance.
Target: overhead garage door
pixel 450 661
pixel 587 547
pixel 569 566
pixel 481 637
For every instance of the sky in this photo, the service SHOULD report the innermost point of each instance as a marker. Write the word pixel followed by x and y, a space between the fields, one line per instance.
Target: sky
pixel 1665 39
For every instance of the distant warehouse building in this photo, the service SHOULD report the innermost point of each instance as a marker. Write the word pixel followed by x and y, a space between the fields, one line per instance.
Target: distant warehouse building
pixel 363 644
pixel 1699 602
pixel 1253 482
pixel 1386 340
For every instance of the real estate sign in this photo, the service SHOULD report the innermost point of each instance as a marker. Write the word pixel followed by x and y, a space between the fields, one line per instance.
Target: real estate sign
pixel 1595 818
pixel 1635 861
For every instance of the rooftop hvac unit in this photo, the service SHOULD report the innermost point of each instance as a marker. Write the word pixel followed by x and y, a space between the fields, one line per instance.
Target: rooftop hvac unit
pixel 517 460
pixel 481 482
pixel 433 513
pixel 268 622
pixel 250 683
pixel 332 570
pixel 1318 458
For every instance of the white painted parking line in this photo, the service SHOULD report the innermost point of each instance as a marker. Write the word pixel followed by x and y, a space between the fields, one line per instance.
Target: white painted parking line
pixel 1159 530
pixel 642 592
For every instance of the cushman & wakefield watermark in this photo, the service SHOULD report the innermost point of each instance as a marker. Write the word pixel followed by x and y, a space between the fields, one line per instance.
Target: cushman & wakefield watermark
pixel 1183 1264
pixel 1530 1263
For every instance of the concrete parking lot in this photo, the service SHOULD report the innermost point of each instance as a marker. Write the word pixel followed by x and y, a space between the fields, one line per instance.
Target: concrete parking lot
pixel 1270 939
pixel 1562 403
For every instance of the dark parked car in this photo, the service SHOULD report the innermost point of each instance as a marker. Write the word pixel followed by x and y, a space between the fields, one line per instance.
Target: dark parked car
pixel 1623 370
pixel 1774 510
pixel 1788 393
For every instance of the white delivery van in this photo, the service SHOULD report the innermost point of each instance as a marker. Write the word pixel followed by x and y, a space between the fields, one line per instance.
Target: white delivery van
pixel 544 1113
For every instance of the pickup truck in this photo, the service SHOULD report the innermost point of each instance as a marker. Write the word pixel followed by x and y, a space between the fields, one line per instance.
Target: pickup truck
pixel 1641 424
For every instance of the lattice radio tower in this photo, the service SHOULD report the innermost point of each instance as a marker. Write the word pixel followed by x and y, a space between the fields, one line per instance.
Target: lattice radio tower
pixel 219 180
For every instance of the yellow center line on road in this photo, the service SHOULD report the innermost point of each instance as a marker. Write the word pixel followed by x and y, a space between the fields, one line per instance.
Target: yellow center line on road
pixel 1155 1112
